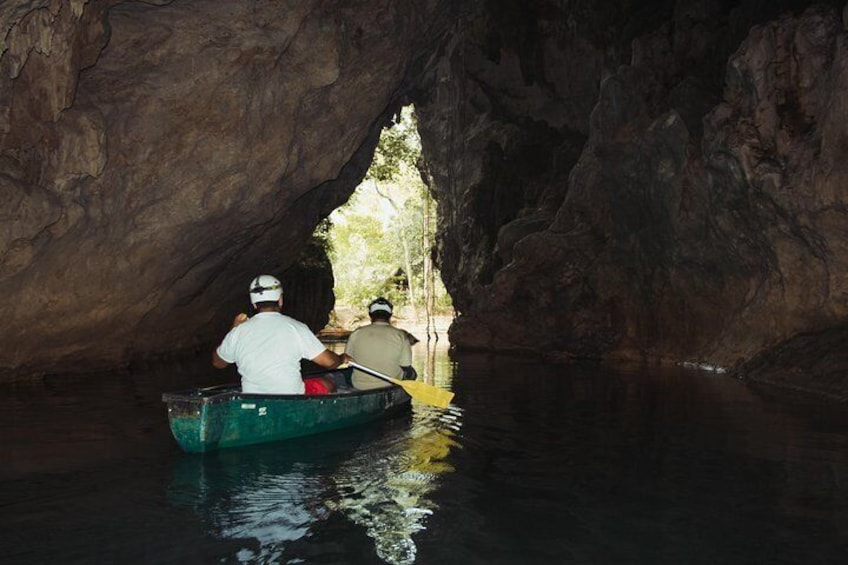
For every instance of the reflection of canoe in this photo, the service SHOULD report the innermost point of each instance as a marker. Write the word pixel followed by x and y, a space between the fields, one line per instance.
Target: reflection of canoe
pixel 205 419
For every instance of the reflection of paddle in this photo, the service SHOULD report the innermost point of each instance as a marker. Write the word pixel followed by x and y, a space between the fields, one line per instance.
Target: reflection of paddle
pixel 428 394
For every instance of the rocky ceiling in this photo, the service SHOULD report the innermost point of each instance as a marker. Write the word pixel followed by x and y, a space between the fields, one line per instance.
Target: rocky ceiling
pixel 155 156
pixel 650 181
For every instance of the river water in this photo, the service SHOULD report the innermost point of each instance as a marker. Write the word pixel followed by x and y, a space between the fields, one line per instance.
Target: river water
pixel 532 464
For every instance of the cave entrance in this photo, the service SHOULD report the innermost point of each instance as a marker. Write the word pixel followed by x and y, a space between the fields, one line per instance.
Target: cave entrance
pixel 380 242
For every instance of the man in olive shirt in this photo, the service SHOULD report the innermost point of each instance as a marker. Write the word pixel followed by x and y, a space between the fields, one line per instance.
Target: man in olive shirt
pixel 380 346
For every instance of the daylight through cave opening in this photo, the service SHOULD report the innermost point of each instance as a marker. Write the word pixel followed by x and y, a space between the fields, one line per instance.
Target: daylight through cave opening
pixel 380 242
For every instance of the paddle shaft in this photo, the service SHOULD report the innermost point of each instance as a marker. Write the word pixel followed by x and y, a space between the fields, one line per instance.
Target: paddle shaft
pixel 373 372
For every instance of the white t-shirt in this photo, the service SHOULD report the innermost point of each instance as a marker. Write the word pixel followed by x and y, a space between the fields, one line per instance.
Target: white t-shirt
pixel 267 350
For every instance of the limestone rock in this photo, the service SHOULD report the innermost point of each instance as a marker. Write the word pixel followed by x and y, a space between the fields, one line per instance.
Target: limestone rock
pixel 655 181
pixel 155 156
pixel 702 219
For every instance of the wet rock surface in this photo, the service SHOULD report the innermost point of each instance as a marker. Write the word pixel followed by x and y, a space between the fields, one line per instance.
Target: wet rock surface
pixel 814 362
pixel 701 219
pixel 155 156
pixel 652 182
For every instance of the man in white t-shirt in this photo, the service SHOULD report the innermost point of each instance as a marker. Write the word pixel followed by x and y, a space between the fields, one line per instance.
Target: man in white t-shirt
pixel 267 348
pixel 380 346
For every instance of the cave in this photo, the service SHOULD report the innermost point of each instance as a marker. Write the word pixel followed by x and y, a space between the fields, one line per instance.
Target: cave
pixel 654 182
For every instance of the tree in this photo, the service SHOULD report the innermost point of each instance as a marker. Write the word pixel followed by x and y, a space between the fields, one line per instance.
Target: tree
pixel 383 233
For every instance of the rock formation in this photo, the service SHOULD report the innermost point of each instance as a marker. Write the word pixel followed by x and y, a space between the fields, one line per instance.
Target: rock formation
pixel 155 156
pixel 654 181
pixel 679 201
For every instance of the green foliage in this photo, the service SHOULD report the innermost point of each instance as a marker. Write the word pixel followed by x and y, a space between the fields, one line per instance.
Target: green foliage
pixel 317 250
pixel 361 260
pixel 398 149
pixel 380 231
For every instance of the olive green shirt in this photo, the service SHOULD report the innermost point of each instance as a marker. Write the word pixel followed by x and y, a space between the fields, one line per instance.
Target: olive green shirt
pixel 379 346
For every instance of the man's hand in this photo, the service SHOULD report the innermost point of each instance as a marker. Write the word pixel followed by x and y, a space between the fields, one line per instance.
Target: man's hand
pixel 329 359
pixel 240 318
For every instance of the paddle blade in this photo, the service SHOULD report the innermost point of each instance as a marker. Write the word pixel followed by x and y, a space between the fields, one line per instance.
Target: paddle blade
pixel 422 392
pixel 428 394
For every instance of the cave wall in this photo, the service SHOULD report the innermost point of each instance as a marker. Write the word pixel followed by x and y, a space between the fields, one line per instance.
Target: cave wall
pixel 625 182
pixel 155 156
pixel 630 180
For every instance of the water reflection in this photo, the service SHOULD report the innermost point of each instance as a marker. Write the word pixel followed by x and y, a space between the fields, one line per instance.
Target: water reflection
pixel 543 464
pixel 668 466
pixel 377 476
pixel 245 501
pixel 385 488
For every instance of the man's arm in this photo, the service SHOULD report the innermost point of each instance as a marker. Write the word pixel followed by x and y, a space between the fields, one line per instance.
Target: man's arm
pixel 405 357
pixel 329 359
pixel 217 362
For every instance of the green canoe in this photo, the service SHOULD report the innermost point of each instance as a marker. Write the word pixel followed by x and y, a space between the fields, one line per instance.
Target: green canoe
pixel 206 419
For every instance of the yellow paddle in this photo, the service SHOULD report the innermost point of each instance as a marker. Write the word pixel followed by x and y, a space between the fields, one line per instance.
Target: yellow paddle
pixel 428 394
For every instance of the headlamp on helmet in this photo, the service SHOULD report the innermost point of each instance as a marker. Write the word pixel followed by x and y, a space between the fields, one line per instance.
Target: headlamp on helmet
pixel 265 288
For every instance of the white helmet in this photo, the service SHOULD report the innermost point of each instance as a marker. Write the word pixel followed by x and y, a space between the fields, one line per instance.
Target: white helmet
pixel 265 288
pixel 380 305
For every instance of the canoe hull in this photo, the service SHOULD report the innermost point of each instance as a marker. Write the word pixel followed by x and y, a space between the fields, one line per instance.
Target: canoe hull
pixel 222 417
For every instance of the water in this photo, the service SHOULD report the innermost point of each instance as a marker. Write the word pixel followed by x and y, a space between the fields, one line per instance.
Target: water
pixel 533 464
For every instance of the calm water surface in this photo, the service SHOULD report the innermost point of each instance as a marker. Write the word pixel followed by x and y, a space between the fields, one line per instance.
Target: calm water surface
pixel 533 464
